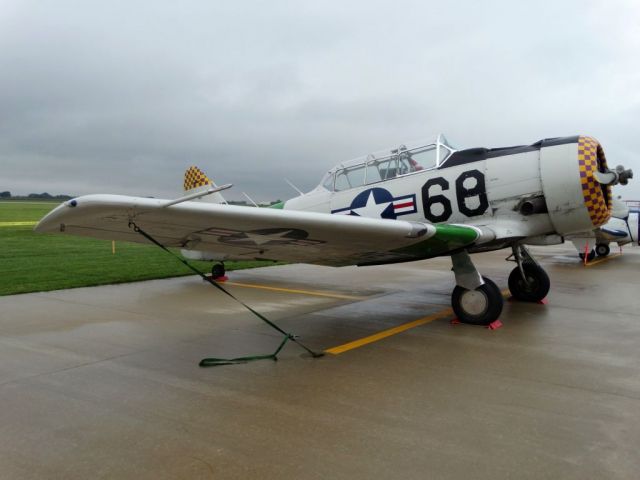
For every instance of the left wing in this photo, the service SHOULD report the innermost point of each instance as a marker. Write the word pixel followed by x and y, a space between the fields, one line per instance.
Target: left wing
pixel 258 233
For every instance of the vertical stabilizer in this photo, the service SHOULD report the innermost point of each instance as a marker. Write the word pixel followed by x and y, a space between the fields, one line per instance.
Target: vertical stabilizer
pixel 196 180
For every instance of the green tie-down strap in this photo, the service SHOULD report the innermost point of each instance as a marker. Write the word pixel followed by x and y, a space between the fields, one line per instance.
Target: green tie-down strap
pixel 214 362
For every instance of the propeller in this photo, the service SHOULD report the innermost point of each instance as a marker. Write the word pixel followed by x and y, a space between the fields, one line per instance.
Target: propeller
pixel 613 177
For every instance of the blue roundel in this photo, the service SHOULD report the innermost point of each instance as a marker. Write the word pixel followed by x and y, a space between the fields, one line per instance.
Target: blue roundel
pixel 380 196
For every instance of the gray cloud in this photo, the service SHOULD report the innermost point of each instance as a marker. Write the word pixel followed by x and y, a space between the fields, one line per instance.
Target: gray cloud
pixel 121 97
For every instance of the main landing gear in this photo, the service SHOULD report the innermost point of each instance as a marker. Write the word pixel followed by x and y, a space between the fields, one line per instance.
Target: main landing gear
pixel 602 249
pixel 218 270
pixel 478 301
pixel 591 256
pixel 528 281
pixel 475 299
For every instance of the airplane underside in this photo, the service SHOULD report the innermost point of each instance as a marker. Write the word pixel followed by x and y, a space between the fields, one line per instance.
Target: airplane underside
pixel 477 299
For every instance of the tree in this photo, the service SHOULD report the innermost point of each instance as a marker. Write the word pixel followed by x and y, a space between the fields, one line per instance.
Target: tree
pixel 6 194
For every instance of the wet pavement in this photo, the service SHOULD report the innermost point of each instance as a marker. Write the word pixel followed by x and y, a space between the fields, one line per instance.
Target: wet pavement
pixel 104 382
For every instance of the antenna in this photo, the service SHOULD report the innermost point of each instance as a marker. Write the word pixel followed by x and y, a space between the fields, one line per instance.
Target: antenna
pixel 294 187
pixel 249 198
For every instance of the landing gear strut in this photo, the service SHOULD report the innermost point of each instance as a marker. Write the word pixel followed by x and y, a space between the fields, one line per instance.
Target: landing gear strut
pixel 475 299
pixel 218 270
pixel 528 281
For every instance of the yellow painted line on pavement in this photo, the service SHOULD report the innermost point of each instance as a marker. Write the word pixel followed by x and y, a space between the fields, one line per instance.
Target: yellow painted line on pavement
pixel 314 293
pixel 16 224
pixel 447 312
pixel 603 259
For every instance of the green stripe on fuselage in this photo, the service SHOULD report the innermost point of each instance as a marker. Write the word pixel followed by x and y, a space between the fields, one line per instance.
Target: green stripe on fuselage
pixel 447 239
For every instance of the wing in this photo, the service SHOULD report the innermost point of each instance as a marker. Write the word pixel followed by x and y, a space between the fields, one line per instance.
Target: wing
pixel 610 234
pixel 257 233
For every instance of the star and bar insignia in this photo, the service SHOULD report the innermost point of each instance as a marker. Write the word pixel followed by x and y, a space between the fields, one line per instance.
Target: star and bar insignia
pixel 379 203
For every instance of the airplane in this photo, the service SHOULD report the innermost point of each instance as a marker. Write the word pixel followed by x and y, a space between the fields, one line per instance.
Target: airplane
pixel 622 229
pixel 412 202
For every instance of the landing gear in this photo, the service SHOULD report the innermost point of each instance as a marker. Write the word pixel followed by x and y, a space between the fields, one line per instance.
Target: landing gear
pixel 602 249
pixel 591 256
pixel 475 299
pixel 218 270
pixel 528 281
pixel 477 307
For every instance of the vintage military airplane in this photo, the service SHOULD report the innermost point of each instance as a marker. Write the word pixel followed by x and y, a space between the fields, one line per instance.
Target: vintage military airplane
pixel 622 228
pixel 409 203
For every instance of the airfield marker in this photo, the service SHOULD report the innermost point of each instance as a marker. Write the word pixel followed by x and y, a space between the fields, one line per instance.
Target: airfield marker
pixel 586 254
pixel 602 259
pixel 387 333
pixel 314 293
pixel 447 312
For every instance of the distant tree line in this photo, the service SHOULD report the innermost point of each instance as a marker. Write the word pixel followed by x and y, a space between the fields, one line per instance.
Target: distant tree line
pixel 6 195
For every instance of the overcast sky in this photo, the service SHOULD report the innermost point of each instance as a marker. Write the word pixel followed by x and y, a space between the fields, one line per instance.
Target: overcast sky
pixel 121 97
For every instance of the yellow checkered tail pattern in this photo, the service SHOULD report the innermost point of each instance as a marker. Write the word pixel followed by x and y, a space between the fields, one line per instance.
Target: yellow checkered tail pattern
pixel 597 198
pixel 194 178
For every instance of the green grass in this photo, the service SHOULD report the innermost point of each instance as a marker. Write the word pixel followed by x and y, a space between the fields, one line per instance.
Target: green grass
pixel 23 211
pixel 33 262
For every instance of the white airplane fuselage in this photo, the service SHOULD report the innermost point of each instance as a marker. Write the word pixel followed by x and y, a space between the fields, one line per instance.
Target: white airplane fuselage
pixel 487 193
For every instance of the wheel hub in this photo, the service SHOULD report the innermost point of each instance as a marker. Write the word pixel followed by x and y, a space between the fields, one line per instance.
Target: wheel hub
pixel 474 302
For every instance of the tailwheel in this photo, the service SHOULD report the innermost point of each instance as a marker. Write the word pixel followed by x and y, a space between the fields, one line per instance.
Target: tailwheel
pixel 480 306
pixel 591 256
pixel 533 287
pixel 602 249
pixel 218 271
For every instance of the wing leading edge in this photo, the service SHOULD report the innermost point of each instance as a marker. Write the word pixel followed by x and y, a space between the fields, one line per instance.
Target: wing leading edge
pixel 258 233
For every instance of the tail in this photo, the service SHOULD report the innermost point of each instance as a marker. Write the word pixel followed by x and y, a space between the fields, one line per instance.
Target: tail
pixel 196 180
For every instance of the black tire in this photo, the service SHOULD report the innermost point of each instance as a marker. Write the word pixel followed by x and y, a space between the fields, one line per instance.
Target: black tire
pixel 480 306
pixel 535 289
pixel 217 271
pixel 591 256
pixel 602 249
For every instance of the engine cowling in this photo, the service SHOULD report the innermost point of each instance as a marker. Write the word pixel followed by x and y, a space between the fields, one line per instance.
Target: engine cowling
pixel 576 201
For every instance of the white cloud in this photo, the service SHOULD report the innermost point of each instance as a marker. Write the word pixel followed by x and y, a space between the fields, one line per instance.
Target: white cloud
pixel 122 96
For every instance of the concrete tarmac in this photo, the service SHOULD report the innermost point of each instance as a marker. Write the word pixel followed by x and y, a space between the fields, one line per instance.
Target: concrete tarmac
pixel 104 382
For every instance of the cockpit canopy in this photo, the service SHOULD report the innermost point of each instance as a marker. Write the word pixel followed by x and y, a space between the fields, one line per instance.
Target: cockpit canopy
pixel 387 164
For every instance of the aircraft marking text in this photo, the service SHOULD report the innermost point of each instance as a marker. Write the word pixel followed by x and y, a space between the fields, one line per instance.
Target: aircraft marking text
pixel 433 194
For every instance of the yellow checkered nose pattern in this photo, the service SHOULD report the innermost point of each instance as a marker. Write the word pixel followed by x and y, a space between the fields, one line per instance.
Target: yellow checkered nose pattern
pixel 194 178
pixel 597 198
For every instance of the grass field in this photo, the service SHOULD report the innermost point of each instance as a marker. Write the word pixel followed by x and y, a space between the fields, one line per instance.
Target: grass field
pixel 33 262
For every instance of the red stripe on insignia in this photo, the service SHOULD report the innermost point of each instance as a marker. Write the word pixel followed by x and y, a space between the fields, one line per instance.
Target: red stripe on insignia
pixel 402 205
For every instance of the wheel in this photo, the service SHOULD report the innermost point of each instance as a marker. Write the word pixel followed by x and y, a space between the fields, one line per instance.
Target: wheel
pixel 217 271
pixel 591 256
pixel 602 249
pixel 480 306
pixel 535 288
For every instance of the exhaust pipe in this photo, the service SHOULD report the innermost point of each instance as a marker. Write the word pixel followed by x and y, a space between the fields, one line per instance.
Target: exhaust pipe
pixel 533 205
